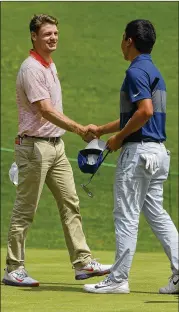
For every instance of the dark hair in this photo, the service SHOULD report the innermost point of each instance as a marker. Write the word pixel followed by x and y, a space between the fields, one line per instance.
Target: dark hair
pixel 38 20
pixel 143 34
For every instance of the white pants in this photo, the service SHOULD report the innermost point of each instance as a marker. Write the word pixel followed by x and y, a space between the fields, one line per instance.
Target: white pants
pixel 136 190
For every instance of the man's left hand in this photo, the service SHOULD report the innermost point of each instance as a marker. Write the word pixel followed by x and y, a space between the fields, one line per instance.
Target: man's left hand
pixel 114 142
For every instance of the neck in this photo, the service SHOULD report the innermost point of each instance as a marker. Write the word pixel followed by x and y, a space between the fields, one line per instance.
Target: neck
pixel 133 55
pixel 46 56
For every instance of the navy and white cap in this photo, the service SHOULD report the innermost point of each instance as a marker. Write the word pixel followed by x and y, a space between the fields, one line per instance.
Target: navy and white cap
pixel 90 158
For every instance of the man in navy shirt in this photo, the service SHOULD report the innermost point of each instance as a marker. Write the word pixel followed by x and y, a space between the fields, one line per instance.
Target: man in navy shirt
pixel 143 164
pixel 141 77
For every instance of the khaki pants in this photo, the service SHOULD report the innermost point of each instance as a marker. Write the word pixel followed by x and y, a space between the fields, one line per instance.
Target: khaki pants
pixel 42 162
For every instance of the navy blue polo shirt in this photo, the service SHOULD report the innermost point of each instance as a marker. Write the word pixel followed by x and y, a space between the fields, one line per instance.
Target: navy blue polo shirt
pixel 137 86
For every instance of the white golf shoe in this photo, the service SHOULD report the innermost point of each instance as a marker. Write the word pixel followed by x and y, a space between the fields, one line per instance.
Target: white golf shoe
pixel 92 269
pixel 107 286
pixel 172 287
pixel 19 277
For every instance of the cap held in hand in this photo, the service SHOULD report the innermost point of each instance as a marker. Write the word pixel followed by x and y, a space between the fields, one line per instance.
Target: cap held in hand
pixel 90 158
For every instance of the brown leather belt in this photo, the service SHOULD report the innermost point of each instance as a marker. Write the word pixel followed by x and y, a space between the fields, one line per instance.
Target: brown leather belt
pixel 48 139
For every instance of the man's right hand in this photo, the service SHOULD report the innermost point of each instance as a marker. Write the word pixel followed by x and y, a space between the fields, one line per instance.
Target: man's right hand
pixel 89 133
pixel 94 129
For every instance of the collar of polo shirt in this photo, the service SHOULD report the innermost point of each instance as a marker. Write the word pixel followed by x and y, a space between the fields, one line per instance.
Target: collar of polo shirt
pixel 39 58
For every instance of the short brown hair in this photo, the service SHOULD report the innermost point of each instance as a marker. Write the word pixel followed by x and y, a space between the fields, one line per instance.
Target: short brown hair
pixel 38 20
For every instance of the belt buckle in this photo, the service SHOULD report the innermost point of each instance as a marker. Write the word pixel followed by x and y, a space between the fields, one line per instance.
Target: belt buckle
pixel 50 140
pixel 53 140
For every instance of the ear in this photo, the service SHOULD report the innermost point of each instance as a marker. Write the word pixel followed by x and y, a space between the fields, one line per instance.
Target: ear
pixel 33 36
pixel 129 42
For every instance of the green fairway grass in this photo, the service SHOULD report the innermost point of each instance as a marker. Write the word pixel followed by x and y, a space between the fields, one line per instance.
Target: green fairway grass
pixel 91 70
pixel 59 292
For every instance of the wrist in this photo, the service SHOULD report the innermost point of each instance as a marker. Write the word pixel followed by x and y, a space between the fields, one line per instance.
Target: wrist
pixel 121 135
pixel 80 130
pixel 100 130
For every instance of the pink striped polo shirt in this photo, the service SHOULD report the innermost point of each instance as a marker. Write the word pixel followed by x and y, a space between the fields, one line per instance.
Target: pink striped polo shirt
pixel 37 80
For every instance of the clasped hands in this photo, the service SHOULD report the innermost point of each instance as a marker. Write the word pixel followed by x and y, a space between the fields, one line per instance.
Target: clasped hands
pixel 91 132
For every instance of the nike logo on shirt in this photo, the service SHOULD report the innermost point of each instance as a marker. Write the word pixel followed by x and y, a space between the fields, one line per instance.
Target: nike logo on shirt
pixel 134 95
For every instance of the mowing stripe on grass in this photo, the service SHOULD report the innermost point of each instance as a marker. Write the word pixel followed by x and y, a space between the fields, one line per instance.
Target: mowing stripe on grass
pixel 3 149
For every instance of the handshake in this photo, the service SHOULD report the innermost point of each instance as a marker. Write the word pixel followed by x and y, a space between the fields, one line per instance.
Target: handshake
pixel 90 132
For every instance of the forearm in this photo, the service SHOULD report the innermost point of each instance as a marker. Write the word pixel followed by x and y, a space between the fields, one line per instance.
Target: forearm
pixel 110 127
pixel 62 121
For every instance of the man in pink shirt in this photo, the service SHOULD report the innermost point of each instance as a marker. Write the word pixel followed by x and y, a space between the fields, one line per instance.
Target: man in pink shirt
pixel 40 157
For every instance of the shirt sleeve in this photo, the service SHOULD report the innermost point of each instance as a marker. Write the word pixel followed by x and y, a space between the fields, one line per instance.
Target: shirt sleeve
pixel 138 85
pixel 34 84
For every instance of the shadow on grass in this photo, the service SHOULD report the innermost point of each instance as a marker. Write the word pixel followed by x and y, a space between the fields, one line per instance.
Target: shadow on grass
pixel 71 284
pixel 143 292
pixel 166 301
pixel 162 301
pixel 68 287
pixel 54 287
